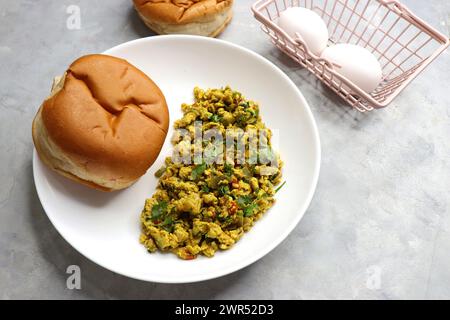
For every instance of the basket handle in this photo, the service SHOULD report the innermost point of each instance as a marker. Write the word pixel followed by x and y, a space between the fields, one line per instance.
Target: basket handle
pixel 406 13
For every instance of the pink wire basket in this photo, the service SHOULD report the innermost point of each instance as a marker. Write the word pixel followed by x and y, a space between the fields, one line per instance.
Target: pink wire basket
pixel 403 43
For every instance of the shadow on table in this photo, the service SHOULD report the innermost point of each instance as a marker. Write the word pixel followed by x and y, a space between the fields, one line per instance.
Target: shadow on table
pixel 138 25
pixel 324 99
pixel 99 283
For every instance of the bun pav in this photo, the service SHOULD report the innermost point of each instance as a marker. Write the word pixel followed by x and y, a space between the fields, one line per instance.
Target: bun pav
pixel 103 125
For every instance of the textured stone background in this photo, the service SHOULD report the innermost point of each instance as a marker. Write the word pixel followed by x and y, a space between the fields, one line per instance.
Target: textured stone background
pixel 379 224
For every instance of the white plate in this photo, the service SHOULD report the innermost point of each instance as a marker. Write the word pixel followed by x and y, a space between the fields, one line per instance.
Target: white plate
pixel 105 226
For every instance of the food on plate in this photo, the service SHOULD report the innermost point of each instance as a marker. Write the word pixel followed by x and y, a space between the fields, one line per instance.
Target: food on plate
pixel 103 125
pixel 197 17
pixel 356 63
pixel 298 21
pixel 201 207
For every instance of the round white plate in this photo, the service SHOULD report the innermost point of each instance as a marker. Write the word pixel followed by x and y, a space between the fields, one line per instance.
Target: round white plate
pixel 105 226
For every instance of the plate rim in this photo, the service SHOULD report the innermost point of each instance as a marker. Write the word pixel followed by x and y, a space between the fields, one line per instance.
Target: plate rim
pixel 279 239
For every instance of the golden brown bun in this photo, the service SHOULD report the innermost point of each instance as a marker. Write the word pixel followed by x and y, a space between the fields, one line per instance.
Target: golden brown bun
pixel 104 124
pixel 198 17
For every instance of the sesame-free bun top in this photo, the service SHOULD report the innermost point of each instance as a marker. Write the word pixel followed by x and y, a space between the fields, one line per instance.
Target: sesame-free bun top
pixel 198 17
pixel 104 124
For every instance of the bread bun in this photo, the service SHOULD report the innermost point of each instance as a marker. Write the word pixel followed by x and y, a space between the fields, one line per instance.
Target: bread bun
pixel 104 123
pixel 197 17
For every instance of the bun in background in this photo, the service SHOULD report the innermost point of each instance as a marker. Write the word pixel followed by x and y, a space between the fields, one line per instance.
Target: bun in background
pixel 197 17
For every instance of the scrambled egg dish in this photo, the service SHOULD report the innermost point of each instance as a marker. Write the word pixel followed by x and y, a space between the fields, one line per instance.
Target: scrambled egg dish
pixel 200 208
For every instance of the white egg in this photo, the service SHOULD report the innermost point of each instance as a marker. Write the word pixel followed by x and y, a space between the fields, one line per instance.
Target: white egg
pixel 355 63
pixel 308 24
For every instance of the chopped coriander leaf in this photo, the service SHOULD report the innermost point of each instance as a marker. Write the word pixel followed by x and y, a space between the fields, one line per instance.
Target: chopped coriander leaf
pixel 168 220
pixel 241 120
pixel 245 104
pixel 205 188
pixel 198 171
pixel 215 118
pixel 159 209
pixel 244 201
pixel 228 219
pixel 167 224
pixel 250 210
pixel 228 168
pixel 277 189
pixel 223 190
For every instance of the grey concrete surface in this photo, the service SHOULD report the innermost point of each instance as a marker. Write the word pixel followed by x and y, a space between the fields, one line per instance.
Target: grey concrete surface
pixel 378 226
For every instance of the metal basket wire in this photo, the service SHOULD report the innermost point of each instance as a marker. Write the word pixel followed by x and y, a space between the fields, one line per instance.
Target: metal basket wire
pixel 403 43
